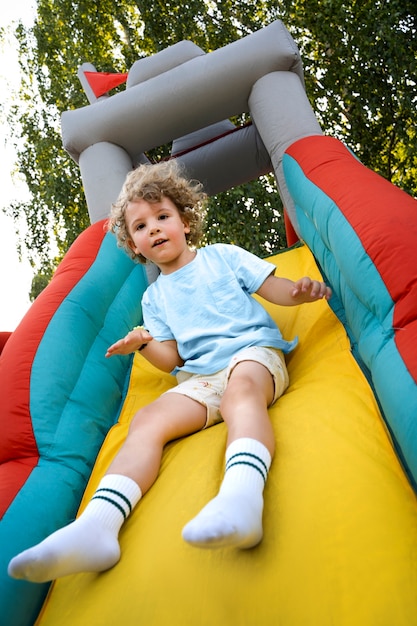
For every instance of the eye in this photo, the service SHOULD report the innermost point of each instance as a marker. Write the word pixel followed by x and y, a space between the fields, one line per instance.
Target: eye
pixel 140 226
pixel 163 216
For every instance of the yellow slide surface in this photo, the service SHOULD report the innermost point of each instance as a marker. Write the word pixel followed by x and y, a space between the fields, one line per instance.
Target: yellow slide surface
pixel 340 518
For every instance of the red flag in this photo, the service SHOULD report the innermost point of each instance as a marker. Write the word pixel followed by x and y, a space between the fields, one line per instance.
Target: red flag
pixel 102 82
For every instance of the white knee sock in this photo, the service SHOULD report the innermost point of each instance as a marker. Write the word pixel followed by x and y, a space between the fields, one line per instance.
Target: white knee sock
pixel 234 516
pixel 90 543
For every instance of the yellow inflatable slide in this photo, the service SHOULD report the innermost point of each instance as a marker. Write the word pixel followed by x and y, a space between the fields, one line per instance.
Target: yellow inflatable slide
pixel 340 518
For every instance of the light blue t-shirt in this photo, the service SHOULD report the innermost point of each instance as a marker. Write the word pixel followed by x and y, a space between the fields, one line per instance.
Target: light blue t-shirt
pixel 207 307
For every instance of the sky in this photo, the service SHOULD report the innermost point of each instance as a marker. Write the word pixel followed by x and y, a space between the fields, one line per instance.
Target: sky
pixel 15 276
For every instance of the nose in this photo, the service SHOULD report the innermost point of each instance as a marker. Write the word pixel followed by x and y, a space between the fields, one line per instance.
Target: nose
pixel 154 229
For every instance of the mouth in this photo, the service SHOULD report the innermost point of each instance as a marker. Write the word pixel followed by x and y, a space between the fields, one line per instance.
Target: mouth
pixel 158 242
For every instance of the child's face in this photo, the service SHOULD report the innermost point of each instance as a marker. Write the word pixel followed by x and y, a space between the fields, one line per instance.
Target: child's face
pixel 158 232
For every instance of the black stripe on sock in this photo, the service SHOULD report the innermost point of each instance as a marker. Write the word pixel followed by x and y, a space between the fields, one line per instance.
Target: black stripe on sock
pixel 118 494
pixel 254 456
pixel 116 504
pixel 258 469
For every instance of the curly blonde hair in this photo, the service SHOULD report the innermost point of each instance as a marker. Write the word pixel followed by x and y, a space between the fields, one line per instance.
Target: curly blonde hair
pixel 151 183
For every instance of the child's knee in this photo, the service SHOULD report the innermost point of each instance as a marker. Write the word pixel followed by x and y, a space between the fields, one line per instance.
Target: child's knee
pixel 150 424
pixel 143 419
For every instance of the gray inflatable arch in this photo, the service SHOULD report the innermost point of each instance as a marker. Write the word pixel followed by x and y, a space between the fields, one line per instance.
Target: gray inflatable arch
pixel 185 97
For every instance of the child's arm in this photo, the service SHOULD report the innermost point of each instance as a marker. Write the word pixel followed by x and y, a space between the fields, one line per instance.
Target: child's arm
pixel 162 354
pixel 288 293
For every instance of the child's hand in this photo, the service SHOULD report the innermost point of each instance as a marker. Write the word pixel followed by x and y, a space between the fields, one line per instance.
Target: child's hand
pixel 130 343
pixel 308 290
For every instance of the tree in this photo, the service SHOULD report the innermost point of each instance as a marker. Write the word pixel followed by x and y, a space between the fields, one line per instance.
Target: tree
pixel 249 216
pixel 63 36
pixel 360 67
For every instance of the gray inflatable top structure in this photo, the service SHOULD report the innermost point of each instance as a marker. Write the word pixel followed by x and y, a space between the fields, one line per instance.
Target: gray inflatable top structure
pixel 185 97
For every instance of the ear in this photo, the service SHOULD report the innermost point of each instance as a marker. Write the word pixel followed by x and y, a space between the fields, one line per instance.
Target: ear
pixel 186 226
pixel 132 246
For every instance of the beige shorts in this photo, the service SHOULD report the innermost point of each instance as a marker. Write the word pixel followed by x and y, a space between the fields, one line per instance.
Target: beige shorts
pixel 208 389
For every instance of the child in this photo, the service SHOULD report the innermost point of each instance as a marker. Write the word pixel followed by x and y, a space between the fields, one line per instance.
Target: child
pixel 203 325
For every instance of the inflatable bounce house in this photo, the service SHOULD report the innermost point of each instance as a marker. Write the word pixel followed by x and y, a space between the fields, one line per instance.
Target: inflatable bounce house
pixel 340 519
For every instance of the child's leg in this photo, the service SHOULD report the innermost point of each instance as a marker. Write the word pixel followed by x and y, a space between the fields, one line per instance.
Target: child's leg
pixel 90 543
pixel 234 516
